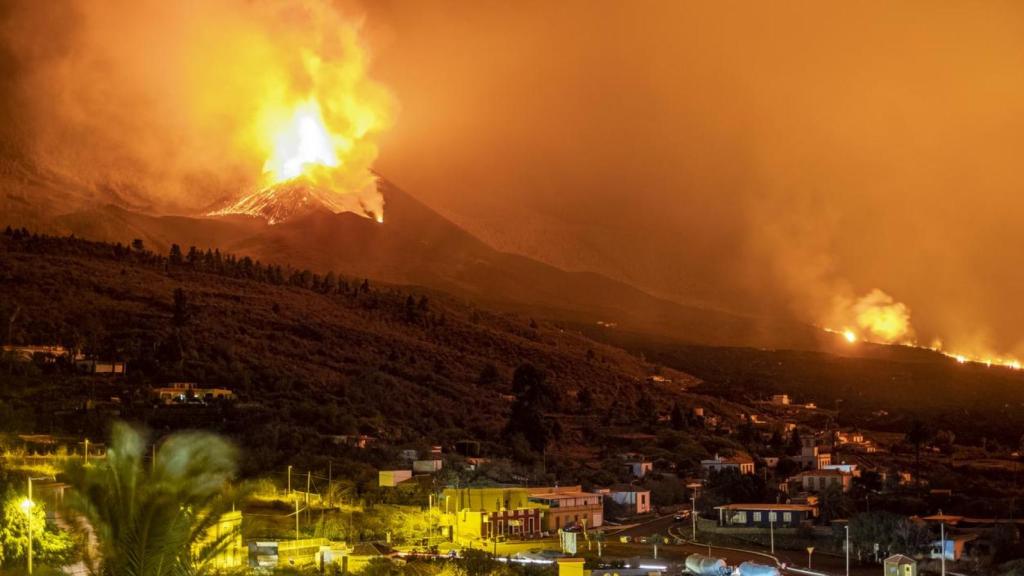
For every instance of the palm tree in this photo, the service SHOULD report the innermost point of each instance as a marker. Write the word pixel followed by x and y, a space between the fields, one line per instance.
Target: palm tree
pixel 154 518
pixel 656 539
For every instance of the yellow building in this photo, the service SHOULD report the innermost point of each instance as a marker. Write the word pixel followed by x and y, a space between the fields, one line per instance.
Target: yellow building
pixel 491 513
pixel 226 534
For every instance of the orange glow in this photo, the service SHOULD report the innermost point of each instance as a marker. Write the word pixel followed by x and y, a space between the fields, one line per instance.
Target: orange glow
pixel 300 144
pixel 850 336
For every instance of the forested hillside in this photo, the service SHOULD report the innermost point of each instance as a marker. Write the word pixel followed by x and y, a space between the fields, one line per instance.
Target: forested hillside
pixel 308 356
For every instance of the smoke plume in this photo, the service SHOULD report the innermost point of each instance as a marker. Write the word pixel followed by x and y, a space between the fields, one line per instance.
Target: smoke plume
pixel 170 106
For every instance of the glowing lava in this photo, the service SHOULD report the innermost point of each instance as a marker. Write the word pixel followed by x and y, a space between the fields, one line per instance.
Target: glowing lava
pixel 301 144
pixel 313 121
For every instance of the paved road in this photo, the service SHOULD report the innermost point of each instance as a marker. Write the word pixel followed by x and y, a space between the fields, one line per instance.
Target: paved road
pixel 666 526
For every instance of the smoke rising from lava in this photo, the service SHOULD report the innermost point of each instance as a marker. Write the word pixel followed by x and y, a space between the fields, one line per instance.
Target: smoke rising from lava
pixel 172 106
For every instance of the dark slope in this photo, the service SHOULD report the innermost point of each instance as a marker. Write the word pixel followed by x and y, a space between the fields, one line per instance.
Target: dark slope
pixel 304 358
pixel 416 245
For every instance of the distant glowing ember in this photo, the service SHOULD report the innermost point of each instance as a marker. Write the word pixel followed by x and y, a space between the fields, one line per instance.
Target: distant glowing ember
pixel 850 336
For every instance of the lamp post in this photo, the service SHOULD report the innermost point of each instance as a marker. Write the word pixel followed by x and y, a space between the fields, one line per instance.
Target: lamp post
pixel 771 529
pixel 810 550
pixel 847 528
pixel 26 506
pixel 942 550
pixel 289 480
pixel 693 516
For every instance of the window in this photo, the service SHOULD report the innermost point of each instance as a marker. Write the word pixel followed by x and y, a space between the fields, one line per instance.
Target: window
pixel 757 516
pixel 643 499
pixel 773 517
pixel 787 517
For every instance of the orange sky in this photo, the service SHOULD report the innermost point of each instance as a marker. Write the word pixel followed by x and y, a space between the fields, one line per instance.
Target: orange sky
pixel 762 156
pixel 759 155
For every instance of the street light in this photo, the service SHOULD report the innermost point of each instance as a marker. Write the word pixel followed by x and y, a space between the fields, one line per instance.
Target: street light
pixel 26 506
pixel 847 528
pixel 810 550
pixel 771 529
pixel 693 516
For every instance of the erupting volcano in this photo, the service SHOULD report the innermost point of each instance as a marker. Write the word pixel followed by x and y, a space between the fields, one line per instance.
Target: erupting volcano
pixel 316 127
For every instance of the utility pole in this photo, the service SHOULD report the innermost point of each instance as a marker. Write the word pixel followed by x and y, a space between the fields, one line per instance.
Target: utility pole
pixel 330 476
pixel 87 451
pixel 296 517
pixel 28 517
pixel 942 528
pixel 771 529
pixel 289 480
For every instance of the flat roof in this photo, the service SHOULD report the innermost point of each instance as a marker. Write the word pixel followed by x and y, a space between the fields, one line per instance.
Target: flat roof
pixel 758 506
pixel 557 495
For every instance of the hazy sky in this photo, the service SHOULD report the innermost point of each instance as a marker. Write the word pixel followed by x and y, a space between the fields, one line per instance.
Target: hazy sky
pixel 760 155
pixel 774 157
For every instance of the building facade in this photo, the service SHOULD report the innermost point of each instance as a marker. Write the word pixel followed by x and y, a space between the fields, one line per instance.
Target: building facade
pixel 569 507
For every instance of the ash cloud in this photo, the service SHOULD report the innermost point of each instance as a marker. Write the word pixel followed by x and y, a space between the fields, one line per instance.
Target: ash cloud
pixel 157 104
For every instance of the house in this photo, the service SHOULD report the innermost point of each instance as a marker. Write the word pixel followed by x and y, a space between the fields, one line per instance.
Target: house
pixel 391 478
pixel 640 468
pixel 353 440
pixel 187 392
pixel 821 480
pixel 952 547
pixel 492 513
pixel 408 455
pixel 569 506
pixel 44 353
pixel 637 501
pixel 812 456
pixel 427 466
pixel 764 515
pixel 93 366
pixel 851 469
pixel 742 464
pixel 899 565
pixel 854 440
pixel 780 399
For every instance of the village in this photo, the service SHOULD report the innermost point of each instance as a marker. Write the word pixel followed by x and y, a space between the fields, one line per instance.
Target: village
pixel 811 497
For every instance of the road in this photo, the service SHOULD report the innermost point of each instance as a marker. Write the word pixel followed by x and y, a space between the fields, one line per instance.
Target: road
pixel 666 526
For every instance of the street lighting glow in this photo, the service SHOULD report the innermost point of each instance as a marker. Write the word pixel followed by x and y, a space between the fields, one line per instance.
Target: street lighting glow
pixel 26 505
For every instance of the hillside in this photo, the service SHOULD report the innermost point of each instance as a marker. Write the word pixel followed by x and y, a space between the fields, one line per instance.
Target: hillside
pixel 309 356
pixel 874 386
pixel 414 245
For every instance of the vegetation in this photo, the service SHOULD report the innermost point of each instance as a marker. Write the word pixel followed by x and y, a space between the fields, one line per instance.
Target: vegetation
pixel 152 518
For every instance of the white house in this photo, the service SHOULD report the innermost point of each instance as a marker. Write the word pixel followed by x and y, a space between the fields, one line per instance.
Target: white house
pixel 636 500
pixel 640 468
pixel 743 464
